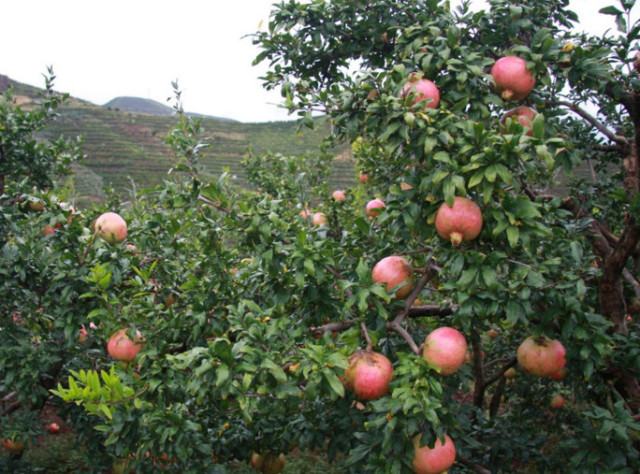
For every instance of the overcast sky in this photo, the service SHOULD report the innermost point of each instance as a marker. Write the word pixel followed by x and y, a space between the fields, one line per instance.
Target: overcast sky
pixel 100 50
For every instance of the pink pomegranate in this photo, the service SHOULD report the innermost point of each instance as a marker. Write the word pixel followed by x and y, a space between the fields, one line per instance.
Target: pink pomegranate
pixel 122 348
pixel 424 90
pixel 433 460
pixel 374 207
pixel 512 79
pixel 319 218
pixel 523 114
pixel 394 271
pixel 541 356
pixel 339 195
pixel 111 227
pixel 304 213
pixel 368 375
pixel 460 223
pixel 445 349
pixel 363 177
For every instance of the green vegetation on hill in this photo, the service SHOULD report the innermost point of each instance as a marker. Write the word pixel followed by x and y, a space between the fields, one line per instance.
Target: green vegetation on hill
pixel 121 145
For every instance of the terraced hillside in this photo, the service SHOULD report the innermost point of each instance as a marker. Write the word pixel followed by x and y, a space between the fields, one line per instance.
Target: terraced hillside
pixel 123 146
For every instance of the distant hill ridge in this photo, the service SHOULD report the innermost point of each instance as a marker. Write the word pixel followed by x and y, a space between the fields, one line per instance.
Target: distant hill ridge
pixel 124 141
pixel 148 106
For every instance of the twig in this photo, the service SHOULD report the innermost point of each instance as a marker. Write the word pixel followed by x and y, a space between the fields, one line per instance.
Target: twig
pixel 511 363
pixel 365 334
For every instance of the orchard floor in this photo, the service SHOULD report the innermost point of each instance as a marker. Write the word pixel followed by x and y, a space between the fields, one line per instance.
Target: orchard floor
pixel 60 453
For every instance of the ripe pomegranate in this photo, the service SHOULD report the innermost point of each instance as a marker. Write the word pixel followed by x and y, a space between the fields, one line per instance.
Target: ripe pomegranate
pixel 319 218
pixel 424 90
pixel 557 402
pixel 48 230
pixel 305 213
pixel 368 375
pixel 13 445
pixel 512 79
pixel 53 428
pixel 363 177
pixel 433 460
pixel 445 349
pixel 374 207
pixel 541 356
pixel 268 463
pixel 460 223
pixel 394 271
pixel 122 348
pixel 339 195
pixel 523 114
pixel 111 227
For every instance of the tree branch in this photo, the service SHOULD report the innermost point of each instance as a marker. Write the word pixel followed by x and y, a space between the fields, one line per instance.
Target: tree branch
pixel 619 139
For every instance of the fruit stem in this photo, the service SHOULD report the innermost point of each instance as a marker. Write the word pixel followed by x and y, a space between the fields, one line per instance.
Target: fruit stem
pixel 456 238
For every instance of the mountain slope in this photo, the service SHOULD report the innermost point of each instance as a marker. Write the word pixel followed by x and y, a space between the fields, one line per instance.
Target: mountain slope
pixel 122 145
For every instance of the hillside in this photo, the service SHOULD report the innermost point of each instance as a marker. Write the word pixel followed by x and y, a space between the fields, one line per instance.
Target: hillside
pixel 123 145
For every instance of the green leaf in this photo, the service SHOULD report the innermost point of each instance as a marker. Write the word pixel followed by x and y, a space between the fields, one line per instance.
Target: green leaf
pixel 513 234
pixel 515 312
pixel 490 277
pixel 223 374
pixel 334 382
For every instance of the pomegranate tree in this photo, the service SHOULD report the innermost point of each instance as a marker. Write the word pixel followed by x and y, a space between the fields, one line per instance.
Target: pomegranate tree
pixel 434 460
pixel 111 227
pixel 541 356
pixel 375 207
pixel 394 271
pixel 445 349
pixel 368 375
pixel 423 90
pixel 512 80
pixel 122 348
pixel 459 223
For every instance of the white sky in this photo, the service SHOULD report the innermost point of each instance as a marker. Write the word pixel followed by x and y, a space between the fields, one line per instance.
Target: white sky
pixel 100 50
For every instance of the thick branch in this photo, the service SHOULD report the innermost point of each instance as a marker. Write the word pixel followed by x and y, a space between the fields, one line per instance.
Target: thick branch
pixel 619 139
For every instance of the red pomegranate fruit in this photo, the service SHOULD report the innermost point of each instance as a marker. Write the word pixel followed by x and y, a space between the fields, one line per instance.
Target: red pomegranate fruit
pixel 512 80
pixel 375 207
pixel 111 227
pixel 541 356
pixel 433 460
pixel 368 375
pixel 394 271
pixel 122 348
pixel 557 402
pixel 460 223
pixel 339 195
pixel 423 90
pixel 363 177
pixel 445 349
pixel 523 114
